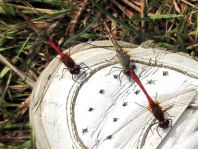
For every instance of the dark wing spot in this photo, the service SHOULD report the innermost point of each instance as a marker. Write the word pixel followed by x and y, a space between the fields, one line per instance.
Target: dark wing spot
pixel 90 109
pixel 85 130
pixel 151 81
pixel 101 91
pixel 115 76
pixel 125 104
pixel 115 119
pixel 137 92
pixel 109 137
pixel 165 73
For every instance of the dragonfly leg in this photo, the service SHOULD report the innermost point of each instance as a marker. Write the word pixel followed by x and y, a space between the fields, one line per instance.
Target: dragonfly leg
pixel 83 75
pixel 62 73
pixel 111 59
pixel 84 66
pixel 153 125
pixel 151 128
pixel 112 69
pixel 169 115
pixel 119 77
pixel 142 106
pixel 75 79
pixel 158 132
pixel 171 122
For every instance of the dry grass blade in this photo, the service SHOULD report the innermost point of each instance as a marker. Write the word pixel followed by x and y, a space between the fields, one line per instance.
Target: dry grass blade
pixel 33 9
pixel 142 4
pixel 176 6
pixel 24 106
pixel 14 138
pixel 75 18
pixel 3 123
pixel 30 23
pixel 132 5
pixel 135 7
pixel 126 11
pixel 118 48
pixel 190 4
pixel 22 75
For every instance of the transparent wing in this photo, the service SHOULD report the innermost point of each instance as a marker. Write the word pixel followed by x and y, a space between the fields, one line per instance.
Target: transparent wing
pixel 107 108
pixel 43 85
pixel 170 99
pixel 144 54
pixel 129 133
pixel 129 136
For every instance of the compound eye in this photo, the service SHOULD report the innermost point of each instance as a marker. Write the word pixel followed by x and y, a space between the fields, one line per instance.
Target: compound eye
pixel 77 71
pixel 132 66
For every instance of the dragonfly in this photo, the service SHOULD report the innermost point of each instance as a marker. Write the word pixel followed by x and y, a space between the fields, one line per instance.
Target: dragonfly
pixel 129 70
pixel 74 68
pixel 102 126
pixel 155 108
pixel 123 57
pixel 133 131
pixel 127 62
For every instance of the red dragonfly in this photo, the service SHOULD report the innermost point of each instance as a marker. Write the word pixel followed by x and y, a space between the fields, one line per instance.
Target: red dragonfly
pixel 154 106
pixel 74 68
pixel 134 129
pixel 128 69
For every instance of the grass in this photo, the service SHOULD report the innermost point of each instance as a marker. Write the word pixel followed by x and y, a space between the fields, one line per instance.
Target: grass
pixel 23 55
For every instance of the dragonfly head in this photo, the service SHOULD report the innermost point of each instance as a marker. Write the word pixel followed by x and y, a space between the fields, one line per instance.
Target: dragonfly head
pixel 75 70
pixel 132 66
pixel 164 124
pixel 127 69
